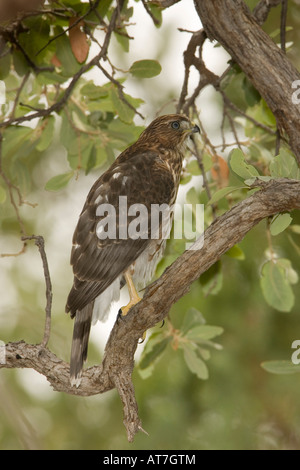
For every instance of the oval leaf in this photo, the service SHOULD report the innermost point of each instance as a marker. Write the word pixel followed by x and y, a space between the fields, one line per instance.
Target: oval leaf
pixel 281 367
pixel 125 113
pixel 78 40
pixel 194 363
pixel 203 333
pixel 156 351
pixel 58 182
pixel 223 192
pixel 236 252
pixel 279 223
pixel 145 68
pixel 276 287
pixel 192 318
pixel 240 167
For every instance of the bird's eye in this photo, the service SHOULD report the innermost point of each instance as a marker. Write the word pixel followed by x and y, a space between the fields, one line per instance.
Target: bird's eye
pixel 175 125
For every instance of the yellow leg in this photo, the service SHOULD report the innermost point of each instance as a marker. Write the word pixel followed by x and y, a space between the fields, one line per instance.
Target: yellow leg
pixel 134 297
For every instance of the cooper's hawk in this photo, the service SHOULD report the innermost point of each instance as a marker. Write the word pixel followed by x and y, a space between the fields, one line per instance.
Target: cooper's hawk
pixel 111 244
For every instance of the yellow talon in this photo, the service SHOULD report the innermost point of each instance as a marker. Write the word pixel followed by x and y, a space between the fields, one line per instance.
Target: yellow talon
pixel 125 310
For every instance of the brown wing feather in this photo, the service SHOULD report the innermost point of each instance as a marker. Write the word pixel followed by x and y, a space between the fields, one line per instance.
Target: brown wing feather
pixel 144 178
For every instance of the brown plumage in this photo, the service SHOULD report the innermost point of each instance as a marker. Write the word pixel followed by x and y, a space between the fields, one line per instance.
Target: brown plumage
pixel 148 173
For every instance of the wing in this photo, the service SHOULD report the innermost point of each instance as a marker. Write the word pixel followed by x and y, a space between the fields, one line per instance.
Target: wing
pixel 98 259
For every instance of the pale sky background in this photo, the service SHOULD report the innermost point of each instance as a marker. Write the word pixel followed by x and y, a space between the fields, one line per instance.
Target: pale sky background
pixel 60 210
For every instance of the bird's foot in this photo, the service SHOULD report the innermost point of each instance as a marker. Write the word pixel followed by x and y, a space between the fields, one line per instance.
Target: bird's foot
pixel 124 310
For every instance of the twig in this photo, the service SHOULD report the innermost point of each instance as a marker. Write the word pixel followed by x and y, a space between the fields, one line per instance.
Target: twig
pixel 155 20
pixel 277 143
pixel 164 3
pixel 120 90
pixel 36 68
pixel 199 155
pixel 229 117
pixel 24 80
pixel 231 105
pixel 40 243
pixel 283 16
pixel 197 40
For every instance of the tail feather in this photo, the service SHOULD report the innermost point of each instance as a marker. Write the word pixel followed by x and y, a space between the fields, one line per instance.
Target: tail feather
pixel 81 333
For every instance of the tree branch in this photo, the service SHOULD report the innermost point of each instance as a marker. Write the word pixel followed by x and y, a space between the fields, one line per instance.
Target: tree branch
pixel 231 23
pixel 275 196
pixel 40 243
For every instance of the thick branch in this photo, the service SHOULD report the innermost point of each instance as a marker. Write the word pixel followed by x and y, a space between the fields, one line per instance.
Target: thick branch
pixel 115 371
pixel 232 24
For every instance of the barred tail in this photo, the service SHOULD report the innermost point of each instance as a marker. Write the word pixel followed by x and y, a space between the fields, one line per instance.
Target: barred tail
pixel 81 333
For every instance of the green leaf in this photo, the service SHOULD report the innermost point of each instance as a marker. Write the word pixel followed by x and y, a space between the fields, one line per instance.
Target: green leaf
pixel 67 133
pixel 103 7
pixel 20 63
pixel 192 196
pixel 193 168
pixel 281 367
pixel 212 280
pixel 284 165
pixel 185 179
pixel 125 113
pixel 93 92
pixel 47 129
pixel 195 363
pixel 252 96
pixel 17 140
pixel 145 68
pixel 279 223
pixel 192 318
pixel 5 62
pixel 202 333
pixel 236 252
pixel 69 65
pixel 49 78
pixel 224 192
pixel 251 181
pixel 122 39
pixel 240 167
pixel 21 175
pixel 291 274
pixel 156 11
pixel 92 159
pixel 58 182
pixel 35 38
pixel 276 287
pixel 154 352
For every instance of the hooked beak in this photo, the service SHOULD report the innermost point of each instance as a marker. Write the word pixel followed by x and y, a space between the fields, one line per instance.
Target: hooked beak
pixel 195 128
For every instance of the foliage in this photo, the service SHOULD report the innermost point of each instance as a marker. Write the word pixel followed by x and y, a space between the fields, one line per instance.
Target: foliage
pixel 66 115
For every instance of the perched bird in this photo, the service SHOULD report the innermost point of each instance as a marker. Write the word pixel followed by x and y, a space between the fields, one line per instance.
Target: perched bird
pixel 111 244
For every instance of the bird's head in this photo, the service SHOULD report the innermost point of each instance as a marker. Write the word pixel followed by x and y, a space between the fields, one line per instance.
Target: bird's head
pixel 170 131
